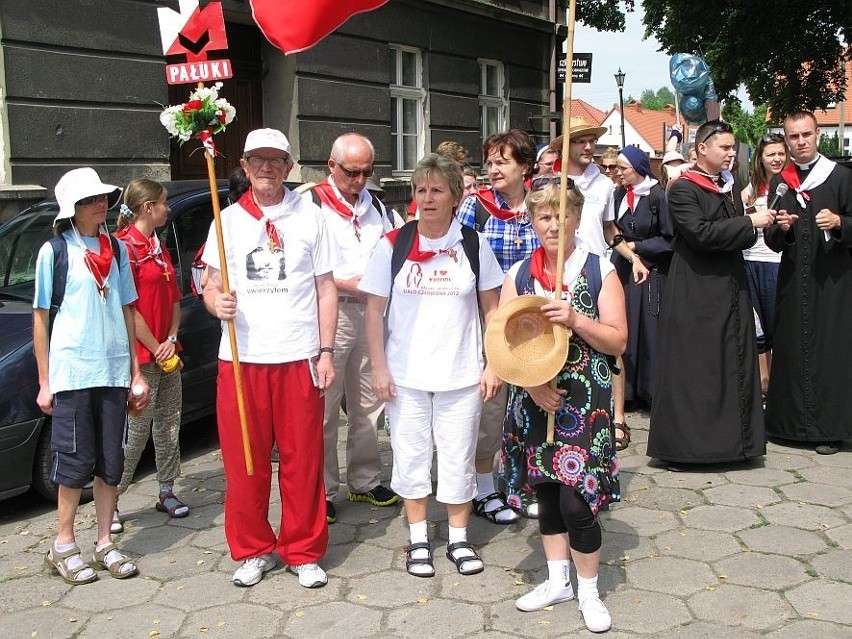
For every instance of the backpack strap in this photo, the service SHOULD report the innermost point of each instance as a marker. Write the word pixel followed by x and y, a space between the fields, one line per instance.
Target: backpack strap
pixel 403 240
pixel 470 243
pixel 523 278
pixel 480 216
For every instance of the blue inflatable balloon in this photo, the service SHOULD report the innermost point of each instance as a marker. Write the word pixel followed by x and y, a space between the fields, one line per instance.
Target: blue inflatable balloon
pixel 690 77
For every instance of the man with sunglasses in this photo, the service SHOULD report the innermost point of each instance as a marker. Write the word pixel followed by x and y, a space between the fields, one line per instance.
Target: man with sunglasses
pixel 356 221
pixel 811 365
pixel 285 320
pixel 707 404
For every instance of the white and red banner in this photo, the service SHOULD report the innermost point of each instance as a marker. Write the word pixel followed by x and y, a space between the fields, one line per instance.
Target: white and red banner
pixel 296 25
pixel 193 32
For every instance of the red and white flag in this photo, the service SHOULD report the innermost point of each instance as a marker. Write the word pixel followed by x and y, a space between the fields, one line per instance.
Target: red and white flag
pixel 296 25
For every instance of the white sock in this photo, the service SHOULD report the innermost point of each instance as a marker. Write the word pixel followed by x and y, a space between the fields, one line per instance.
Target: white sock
pixel 74 561
pixel 484 485
pixel 455 535
pixel 419 533
pixel 559 573
pixel 587 588
pixel 115 555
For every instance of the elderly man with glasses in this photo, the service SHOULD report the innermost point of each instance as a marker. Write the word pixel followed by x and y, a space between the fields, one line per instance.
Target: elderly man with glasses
pixel 285 320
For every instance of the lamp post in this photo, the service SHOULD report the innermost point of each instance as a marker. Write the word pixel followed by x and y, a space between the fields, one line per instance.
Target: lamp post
pixel 619 80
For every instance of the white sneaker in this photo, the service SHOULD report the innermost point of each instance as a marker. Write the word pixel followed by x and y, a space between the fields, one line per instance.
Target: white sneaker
pixel 544 595
pixel 310 575
pixel 595 615
pixel 251 572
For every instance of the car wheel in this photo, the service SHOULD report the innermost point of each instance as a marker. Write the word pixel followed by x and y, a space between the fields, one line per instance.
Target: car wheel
pixel 43 463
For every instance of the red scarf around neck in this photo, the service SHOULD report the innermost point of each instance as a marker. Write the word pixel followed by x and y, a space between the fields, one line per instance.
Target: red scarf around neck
pixel 537 270
pixel 631 196
pixel 327 196
pixel 100 264
pixel 701 180
pixel 791 176
pixel 415 254
pixel 251 207
pixel 486 199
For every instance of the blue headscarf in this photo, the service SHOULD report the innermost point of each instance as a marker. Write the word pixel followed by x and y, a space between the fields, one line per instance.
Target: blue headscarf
pixel 638 160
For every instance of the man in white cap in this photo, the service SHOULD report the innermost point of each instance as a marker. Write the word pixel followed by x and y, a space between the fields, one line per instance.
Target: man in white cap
pixel 356 221
pixel 283 303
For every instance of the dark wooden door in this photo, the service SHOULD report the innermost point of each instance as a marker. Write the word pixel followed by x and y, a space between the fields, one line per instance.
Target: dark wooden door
pixel 243 91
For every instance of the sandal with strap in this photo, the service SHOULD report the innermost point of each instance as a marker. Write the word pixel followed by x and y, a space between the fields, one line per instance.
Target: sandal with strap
pixel 464 558
pixel 411 561
pixel 170 504
pixel 58 561
pixel 491 515
pixel 115 567
pixel 624 441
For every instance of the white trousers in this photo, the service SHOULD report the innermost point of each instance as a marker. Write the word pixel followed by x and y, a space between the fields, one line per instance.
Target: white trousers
pixel 423 420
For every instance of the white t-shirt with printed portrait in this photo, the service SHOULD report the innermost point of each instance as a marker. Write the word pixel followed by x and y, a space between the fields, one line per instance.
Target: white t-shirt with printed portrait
pixel 277 318
pixel 434 340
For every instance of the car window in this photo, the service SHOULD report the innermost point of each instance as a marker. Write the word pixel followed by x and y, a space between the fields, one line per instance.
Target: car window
pixel 20 241
pixel 184 236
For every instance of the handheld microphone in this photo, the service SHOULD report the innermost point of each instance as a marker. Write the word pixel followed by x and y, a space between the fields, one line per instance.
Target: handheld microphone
pixel 780 191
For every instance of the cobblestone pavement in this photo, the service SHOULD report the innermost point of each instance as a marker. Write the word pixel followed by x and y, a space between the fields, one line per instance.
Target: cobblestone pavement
pixel 750 550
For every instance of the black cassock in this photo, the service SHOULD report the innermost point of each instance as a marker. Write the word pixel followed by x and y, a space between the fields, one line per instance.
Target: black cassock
pixel 651 230
pixel 811 374
pixel 707 404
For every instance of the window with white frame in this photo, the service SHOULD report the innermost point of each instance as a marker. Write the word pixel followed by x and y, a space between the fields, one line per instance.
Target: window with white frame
pixel 407 120
pixel 492 102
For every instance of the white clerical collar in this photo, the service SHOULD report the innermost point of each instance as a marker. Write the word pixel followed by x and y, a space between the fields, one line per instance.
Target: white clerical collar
pixel 808 166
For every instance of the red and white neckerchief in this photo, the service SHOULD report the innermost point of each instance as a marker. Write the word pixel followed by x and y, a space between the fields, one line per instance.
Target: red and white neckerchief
pixel 538 272
pixel 703 180
pixel 250 206
pixel 99 264
pixel 416 255
pixel 146 248
pixel 631 197
pixel 327 195
pixel 487 200
pixel 817 175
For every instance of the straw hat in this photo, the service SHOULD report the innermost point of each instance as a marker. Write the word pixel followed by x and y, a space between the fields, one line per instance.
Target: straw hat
pixel 578 126
pixel 673 156
pixel 524 347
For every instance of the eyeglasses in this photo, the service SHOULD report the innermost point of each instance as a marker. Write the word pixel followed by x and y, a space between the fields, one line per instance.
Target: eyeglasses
pixel 719 127
pixel 276 162
pixel 608 167
pixel 88 201
pixel 354 173
pixel 543 182
pixel 772 138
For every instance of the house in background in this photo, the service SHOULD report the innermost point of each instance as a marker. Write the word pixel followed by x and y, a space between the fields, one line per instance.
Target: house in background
pixel 83 83
pixel 643 127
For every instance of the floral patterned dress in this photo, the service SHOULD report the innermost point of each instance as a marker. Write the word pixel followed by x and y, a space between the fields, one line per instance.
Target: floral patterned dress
pixel 583 452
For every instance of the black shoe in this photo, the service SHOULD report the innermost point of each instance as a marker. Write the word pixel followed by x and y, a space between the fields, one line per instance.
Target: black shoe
pixel 829 448
pixel 378 496
pixel 330 512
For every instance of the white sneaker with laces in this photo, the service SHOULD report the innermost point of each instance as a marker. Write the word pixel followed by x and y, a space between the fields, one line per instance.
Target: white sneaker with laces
pixel 595 615
pixel 310 575
pixel 252 570
pixel 544 595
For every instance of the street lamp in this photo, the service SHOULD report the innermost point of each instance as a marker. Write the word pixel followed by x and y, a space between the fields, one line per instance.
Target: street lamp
pixel 619 80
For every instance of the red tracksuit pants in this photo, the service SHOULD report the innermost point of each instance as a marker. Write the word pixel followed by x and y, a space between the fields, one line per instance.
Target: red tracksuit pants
pixel 283 406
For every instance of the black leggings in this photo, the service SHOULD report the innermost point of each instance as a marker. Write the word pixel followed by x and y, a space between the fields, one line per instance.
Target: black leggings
pixel 561 510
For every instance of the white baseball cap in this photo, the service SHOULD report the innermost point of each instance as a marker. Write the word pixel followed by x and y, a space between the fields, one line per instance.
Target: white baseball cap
pixel 79 184
pixel 266 139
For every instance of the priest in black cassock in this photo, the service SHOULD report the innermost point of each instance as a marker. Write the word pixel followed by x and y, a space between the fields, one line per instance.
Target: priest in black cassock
pixel 707 404
pixel 808 398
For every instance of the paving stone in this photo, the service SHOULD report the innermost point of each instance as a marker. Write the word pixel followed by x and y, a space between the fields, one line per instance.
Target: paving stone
pixel 835 564
pixel 17 539
pixel 234 620
pixel 700 545
pixel 55 622
pixel 842 536
pixel 343 533
pixel 637 520
pixel 200 591
pixel 424 620
pixel 804 516
pixel 617 546
pixel 560 620
pixel 672 499
pixel 768 477
pixel 785 460
pixel 145 541
pixel 638 464
pixel 353 560
pixel 782 540
pixel 670 575
pixel 134 621
pixel 388 534
pixel 742 496
pixel 393 589
pixel 722 518
pixel 631 483
pixel 707 630
pixel 810 629
pixel 693 481
pixel 91 597
pixel 211 539
pixel 825 495
pixel 203 517
pixel 843 459
pixel 507 553
pixel 176 564
pixel 826 475
pixel 281 590
pixel 646 612
pixel 823 600
pixel 44 590
pixel 740 606
pixel 21 564
pixel 770 572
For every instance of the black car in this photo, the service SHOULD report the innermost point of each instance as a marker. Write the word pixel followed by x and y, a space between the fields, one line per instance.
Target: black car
pixel 25 457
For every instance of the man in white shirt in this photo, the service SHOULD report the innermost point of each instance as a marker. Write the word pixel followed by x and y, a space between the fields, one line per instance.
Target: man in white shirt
pixel 356 221
pixel 283 303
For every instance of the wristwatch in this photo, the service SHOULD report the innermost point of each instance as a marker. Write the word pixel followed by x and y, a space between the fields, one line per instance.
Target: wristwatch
pixel 327 349
pixel 172 339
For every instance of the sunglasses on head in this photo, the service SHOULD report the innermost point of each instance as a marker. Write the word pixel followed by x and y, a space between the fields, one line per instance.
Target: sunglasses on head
pixel 86 201
pixel 354 173
pixel 772 138
pixel 546 180
pixel 719 127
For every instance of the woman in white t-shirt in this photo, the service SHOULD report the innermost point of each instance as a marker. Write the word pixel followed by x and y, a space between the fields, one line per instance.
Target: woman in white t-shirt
pixel 762 263
pixel 427 357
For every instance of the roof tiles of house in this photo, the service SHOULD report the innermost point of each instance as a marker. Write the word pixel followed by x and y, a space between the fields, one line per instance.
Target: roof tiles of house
pixel 649 124
pixel 581 108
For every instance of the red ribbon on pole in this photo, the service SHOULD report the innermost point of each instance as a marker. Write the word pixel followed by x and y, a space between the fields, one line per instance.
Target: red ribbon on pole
pixel 207 141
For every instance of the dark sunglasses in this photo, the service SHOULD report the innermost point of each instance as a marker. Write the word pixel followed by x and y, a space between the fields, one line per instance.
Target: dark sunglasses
pixel 608 167
pixel 772 138
pixel 545 181
pixel 354 173
pixel 87 201
pixel 719 127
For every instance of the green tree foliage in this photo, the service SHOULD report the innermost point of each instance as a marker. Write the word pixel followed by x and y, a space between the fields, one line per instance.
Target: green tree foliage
pixel 787 52
pixel 748 127
pixel 829 146
pixel 603 15
pixel 657 100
